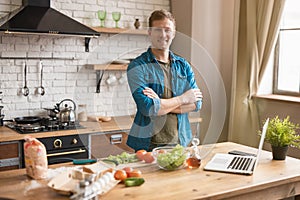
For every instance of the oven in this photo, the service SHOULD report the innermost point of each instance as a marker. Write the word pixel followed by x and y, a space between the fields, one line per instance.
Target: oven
pixel 66 148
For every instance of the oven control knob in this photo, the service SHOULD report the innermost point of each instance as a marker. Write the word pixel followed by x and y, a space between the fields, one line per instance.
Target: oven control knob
pixel 57 143
pixel 74 141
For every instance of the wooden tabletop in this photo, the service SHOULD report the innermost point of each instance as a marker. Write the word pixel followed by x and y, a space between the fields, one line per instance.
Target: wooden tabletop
pixel 121 123
pixel 271 180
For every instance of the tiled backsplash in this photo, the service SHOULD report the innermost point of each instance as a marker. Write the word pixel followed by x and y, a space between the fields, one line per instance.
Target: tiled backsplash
pixel 66 73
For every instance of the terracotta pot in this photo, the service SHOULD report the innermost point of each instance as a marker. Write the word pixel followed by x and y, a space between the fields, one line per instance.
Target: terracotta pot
pixel 279 153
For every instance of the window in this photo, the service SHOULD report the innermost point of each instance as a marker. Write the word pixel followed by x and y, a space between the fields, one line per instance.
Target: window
pixel 287 56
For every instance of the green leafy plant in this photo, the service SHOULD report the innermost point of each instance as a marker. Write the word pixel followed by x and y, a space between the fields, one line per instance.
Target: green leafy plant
pixel 282 132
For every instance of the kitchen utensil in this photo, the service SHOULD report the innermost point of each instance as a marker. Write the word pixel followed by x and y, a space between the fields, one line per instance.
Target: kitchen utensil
pixel 27 119
pixel 84 161
pixel 52 112
pixel 41 89
pixel 81 161
pixel 67 114
pixel 25 89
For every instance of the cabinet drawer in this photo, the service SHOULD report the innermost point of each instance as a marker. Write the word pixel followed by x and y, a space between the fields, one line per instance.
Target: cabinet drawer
pixel 9 150
pixel 103 145
pixel 10 155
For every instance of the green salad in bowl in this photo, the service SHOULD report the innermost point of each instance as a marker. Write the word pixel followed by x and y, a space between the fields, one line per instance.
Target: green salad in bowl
pixel 170 157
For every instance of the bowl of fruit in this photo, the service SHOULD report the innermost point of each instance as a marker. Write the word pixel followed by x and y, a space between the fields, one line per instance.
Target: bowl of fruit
pixel 171 157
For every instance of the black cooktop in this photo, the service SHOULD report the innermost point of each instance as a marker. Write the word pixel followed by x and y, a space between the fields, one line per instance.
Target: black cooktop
pixel 44 125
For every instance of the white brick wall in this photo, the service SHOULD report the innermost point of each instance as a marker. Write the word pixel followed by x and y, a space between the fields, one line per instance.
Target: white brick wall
pixel 66 74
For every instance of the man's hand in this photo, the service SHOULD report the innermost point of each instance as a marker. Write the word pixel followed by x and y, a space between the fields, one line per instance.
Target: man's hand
pixel 150 93
pixel 191 96
pixel 181 104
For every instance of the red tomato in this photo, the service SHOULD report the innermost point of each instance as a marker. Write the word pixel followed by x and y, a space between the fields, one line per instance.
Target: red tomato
pixel 148 157
pixel 162 151
pixel 120 175
pixel 128 170
pixel 135 173
pixel 140 154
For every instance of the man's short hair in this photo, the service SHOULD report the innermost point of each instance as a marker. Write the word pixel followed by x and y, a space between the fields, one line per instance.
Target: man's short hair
pixel 160 15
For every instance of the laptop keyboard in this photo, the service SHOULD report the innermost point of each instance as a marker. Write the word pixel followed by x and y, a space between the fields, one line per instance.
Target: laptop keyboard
pixel 240 163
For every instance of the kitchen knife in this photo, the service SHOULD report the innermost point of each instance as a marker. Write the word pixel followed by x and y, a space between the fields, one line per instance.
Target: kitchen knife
pixel 90 161
pixel 84 161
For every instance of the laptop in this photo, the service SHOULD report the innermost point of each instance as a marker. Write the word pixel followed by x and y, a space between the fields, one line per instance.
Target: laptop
pixel 238 164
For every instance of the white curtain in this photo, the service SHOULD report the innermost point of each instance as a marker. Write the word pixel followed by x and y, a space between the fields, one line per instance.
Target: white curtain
pixel 257 25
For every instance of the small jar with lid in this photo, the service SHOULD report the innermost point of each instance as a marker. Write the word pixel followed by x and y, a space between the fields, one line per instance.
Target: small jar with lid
pixel 82 113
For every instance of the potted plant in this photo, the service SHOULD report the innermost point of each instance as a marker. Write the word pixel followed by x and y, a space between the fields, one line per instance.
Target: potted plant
pixel 282 134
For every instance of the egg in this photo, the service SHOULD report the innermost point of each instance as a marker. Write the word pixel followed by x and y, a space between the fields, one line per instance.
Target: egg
pixel 101 182
pixel 96 187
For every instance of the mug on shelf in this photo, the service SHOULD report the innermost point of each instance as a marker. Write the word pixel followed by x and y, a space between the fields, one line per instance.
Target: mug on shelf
pixel 112 79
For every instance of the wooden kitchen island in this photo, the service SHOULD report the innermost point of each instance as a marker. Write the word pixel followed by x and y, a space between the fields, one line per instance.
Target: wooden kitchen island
pixel 271 180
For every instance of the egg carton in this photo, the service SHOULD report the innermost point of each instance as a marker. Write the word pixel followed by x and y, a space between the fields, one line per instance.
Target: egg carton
pixel 80 184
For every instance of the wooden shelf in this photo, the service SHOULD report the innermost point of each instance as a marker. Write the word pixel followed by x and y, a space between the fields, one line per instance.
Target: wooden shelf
pixel 110 67
pixel 121 31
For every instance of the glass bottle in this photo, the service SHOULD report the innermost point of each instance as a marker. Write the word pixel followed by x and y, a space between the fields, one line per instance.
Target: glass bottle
pixel 194 161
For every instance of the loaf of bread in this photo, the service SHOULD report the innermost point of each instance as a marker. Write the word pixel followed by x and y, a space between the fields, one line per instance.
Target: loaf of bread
pixel 36 162
pixel 99 118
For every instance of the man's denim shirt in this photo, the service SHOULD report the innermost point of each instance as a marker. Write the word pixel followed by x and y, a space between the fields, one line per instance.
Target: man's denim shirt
pixel 145 71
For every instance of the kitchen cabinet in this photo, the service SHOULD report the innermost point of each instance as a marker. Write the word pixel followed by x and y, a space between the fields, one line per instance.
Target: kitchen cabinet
pixel 103 145
pixel 11 155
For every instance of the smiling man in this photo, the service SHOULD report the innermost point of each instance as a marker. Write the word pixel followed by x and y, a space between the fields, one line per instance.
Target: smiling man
pixel 164 90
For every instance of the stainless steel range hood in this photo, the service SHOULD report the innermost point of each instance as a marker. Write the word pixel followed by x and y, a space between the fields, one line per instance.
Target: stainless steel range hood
pixel 37 17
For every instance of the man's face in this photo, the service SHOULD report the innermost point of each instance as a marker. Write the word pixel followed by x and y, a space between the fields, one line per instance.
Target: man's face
pixel 162 33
